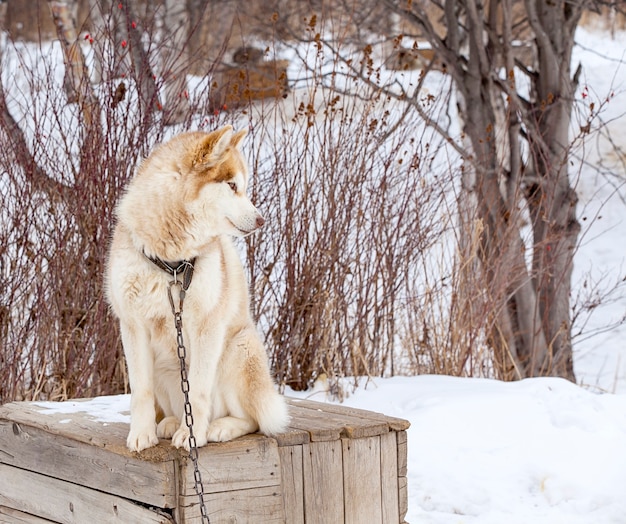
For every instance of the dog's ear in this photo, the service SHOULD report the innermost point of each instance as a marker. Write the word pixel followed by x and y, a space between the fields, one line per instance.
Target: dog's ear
pixel 211 148
pixel 238 137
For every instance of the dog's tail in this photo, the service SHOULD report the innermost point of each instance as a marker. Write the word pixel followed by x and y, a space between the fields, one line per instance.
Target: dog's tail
pixel 258 393
pixel 272 413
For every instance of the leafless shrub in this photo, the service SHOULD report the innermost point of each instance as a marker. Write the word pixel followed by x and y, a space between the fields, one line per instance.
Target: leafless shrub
pixel 67 150
pixel 345 181
pixel 352 212
pixel 365 266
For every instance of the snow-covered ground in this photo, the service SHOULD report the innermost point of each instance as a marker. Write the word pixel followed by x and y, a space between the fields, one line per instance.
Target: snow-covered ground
pixel 540 451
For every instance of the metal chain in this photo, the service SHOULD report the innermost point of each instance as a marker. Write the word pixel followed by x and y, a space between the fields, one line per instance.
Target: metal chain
pixel 184 384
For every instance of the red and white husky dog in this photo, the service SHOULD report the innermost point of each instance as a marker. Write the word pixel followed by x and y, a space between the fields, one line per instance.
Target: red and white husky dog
pixel 186 201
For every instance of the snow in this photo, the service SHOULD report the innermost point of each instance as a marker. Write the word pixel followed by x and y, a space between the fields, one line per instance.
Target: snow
pixel 483 451
pixel 541 451
pixel 107 410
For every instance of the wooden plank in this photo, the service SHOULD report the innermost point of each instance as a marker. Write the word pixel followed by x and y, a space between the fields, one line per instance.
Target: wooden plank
pixel 65 502
pixel 402 453
pixel 403 498
pixel 292 483
pixel 362 489
pixel 336 423
pixel 81 426
pixel 394 423
pixel 403 495
pixel 103 469
pixel 245 463
pixel 318 427
pixel 322 473
pixel 251 506
pixel 319 430
pixel 78 425
pixel 13 516
pixel 389 477
pixel 292 437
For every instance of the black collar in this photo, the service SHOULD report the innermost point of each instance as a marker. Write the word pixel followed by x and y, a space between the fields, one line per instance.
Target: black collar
pixel 180 267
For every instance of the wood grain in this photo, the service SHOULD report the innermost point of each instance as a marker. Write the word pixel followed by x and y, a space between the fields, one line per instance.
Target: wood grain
pixel 64 502
pixel 333 464
pixel 73 460
pixel 361 480
pixel 322 473
pixel 389 477
pixel 292 483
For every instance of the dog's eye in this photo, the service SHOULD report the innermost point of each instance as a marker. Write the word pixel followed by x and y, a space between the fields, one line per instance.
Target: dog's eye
pixel 233 186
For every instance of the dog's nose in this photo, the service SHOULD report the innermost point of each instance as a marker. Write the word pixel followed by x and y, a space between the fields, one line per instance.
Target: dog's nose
pixel 259 221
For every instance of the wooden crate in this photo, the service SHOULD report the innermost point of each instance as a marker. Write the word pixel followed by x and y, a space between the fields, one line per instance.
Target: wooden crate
pixel 333 465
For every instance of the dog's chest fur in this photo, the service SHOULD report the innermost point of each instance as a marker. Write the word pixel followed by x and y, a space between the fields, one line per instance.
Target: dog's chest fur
pixel 208 300
pixel 142 288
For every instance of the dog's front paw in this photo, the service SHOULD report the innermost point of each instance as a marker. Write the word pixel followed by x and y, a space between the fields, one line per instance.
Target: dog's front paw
pixel 229 428
pixel 217 433
pixel 139 440
pixel 167 427
pixel 180 439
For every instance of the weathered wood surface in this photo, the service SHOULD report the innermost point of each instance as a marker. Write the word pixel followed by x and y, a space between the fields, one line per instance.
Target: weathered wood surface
pixel 246 463
pixel 325 425
pixel 322 473
pixel 293 483
pixel 389 477
pixel 354 422
pixel 254 506
pixel 403 502
pixel 402 453
pixel 86 452
pixel 333 464
pixel 13 516
pixel 362 480
pixel 66 502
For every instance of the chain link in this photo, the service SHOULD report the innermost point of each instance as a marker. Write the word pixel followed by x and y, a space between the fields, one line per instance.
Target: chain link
pixel 184 384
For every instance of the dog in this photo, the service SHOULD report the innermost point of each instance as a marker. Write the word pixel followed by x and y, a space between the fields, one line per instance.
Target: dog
pixel 182 208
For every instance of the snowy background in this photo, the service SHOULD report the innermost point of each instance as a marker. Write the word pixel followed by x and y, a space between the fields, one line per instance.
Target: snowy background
pixel 538 451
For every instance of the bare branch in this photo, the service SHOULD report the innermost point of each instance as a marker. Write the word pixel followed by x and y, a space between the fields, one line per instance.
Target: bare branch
pixel 33 171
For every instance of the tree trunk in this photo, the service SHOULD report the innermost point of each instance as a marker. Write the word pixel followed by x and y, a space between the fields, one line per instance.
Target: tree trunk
pixel 552 200
pixel 516 335
pixel 530 321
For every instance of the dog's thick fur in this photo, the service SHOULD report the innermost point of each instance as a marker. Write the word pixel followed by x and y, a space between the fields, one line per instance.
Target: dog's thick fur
pixel 186 200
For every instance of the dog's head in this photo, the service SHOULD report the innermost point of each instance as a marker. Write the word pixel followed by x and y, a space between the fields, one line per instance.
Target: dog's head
pixel 216 175
pixel 188 191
